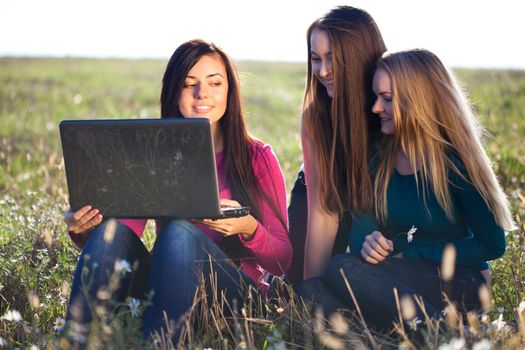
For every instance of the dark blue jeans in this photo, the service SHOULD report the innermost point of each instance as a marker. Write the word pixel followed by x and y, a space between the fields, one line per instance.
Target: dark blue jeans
pixel 181 257
pixel 373 287
pixel 96 265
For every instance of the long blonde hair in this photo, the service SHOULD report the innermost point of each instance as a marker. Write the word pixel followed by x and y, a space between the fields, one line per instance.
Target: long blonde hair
pixel 339 126
pixel 433 120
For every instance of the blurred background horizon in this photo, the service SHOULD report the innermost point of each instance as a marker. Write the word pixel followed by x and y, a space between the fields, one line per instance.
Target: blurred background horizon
pixel 464 34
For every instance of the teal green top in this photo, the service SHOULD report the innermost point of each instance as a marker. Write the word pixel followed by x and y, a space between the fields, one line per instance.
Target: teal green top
pixel 475 233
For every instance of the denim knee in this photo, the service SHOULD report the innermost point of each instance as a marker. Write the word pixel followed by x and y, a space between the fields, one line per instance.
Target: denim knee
pixel 178 237
pixel 340 261
pixel 352 266
pixel 111 240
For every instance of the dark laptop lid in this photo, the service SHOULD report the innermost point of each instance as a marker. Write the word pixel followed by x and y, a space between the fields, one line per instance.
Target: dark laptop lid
pixel 141 168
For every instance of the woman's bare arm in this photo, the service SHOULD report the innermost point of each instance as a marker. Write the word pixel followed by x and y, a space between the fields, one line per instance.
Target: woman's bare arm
pixel 321 225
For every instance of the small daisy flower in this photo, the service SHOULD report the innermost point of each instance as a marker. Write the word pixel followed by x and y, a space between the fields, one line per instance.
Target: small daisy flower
pixel 499 324
pixel 59 324
pixel 122 266
pixel 410 233
pixel 134 307
pixel 12 315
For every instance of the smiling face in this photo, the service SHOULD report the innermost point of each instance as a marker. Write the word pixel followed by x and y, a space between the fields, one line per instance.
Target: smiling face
pixel 205 90
pixel 382 87
pixel 321 59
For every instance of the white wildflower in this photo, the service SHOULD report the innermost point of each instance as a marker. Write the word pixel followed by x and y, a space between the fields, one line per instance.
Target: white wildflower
pixel 12 315
pixel 521 307
pixel 122 266
pixel 410 233
pixel 454 344
pixel 3 342
pixel 483 344
pixel 59 324
pixel 499 324
pixel 33 347
pixel 134 307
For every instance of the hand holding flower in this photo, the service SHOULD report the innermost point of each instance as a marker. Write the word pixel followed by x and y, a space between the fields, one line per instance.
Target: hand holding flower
pixel 376 248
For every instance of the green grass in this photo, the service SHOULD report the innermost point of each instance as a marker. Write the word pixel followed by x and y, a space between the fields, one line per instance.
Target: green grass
pixel 37 258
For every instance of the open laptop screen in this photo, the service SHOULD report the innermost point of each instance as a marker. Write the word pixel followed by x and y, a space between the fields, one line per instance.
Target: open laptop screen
pixel 141 168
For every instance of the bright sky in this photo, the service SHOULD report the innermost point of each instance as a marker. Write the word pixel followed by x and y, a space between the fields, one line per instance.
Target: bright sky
pixel 463 33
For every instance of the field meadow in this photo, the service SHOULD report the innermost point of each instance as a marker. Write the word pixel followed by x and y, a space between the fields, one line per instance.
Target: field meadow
pixel 37 259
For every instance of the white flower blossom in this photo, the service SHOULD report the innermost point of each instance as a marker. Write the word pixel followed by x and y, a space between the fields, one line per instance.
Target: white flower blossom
pixel 134 307
pixel 33 347
pixel 521 307
pixel 499 324
pixel 483 344
pixel 12 315
pixel 410 233
pixel 454 344
pixel 59 324
pixel 122 266
pixel 3 342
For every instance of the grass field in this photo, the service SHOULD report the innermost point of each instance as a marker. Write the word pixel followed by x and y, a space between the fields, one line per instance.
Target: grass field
pixel 37 260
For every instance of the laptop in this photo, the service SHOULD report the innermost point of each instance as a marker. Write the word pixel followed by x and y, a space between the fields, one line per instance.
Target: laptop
pixel 143 168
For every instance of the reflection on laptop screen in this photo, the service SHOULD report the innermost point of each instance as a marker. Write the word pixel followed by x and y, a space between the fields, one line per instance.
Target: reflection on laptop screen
pixel 141 168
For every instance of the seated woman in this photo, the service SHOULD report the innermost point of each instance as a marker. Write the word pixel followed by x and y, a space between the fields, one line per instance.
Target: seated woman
pixel 199 82
pixel 429 172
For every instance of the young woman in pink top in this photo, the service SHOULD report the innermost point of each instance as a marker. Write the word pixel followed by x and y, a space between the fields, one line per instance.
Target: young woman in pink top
pixel 199 82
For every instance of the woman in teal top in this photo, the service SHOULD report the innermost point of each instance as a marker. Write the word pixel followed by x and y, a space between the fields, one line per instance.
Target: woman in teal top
pixel 474 232
pixel 433 187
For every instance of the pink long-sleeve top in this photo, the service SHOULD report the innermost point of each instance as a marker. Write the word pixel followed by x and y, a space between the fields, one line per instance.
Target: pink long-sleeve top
pixel 270 249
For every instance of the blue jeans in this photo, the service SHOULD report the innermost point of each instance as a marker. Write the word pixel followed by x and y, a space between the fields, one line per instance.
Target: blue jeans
pixel 373 287
pixel 181 256
pixel 96 264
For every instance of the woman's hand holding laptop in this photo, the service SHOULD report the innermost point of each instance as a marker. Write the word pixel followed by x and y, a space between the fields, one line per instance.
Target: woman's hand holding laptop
pixel 240 222
pixel 245 225
pixel 83 220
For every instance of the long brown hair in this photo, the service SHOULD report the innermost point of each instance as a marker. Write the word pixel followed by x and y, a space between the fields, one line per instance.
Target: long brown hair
pixel 339 127
pixel 434 122
pixel 238 144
